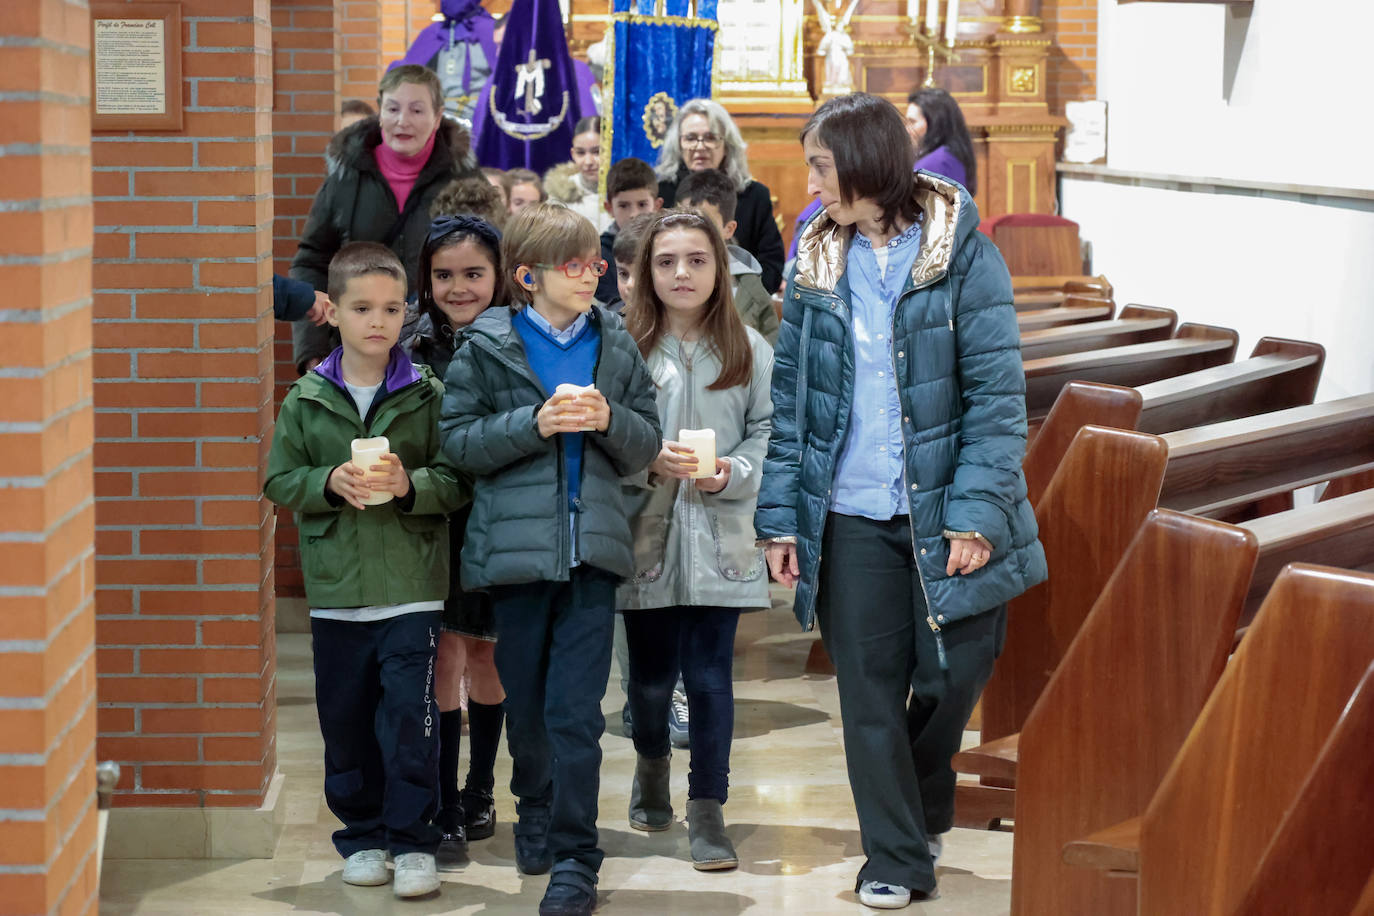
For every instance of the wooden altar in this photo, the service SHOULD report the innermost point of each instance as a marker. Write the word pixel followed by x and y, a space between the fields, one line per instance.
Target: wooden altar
pixel 769 77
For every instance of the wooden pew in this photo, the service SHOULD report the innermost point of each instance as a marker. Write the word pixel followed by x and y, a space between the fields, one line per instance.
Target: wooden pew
pixel 1068 283
pixel 1126 469
pixel 1044 621
pixel 1215 469
pixel 1321 857
pixel 1134 325
pixel 1120 704
pixel 1193 347
pixel 1279 374
pixel 1196 848
pixel 1074 310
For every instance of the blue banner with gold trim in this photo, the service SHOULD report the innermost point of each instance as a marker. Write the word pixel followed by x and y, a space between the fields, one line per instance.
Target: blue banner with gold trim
pixel 662 54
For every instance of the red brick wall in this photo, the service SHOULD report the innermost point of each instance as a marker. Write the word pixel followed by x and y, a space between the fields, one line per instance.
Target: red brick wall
pixel 1073 61
pixel 182 335
pixel 397 34
pixel 307 44
pixel 47 619
pixel 362 63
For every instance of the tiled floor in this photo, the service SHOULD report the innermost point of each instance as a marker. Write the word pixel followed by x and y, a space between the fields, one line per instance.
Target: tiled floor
pixel 790 816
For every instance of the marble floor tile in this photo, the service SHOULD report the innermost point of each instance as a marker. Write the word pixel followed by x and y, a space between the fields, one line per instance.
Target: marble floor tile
pixel 790 816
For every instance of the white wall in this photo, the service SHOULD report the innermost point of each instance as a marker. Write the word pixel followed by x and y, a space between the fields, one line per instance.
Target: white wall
pixel 1300 104
pixel 1300 111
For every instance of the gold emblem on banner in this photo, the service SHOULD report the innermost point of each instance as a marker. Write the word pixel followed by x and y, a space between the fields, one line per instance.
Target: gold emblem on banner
pixel 659 113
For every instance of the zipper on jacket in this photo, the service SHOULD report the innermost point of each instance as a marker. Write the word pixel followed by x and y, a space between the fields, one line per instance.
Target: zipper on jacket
pixel 687 488
pixel 916 553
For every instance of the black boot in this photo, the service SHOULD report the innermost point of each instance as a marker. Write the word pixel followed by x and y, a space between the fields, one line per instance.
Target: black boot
pixel 484 739
pixel 450 819
pixel 651 806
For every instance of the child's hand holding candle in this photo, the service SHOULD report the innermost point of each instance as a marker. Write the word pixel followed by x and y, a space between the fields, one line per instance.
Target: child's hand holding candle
pixel 702 443
pixel 674 460
pixel 369 456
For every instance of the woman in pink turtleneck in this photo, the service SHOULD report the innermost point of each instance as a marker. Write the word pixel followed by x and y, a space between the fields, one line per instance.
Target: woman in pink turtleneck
pixel 383 174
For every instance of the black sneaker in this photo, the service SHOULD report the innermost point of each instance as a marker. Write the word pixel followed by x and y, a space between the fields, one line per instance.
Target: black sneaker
pixel 677 720
pixel 567 900
pixel 453 846
pixel 480 810
pixel 532 856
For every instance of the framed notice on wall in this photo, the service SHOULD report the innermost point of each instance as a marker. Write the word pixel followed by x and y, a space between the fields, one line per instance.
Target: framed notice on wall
pixel 135 65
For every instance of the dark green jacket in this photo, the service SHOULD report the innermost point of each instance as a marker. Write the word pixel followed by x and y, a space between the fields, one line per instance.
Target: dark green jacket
pixel 386 554
pixel 355 204
pixel 519 531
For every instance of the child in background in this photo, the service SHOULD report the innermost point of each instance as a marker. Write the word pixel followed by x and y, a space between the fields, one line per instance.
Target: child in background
pixel 500 181
pixel 713 193
pixel 354 110
pixel 631 189
pixel 525 188
pixel 549 537
pixel 475 196
pixel 459 275
pixel 574 184
pixel 376 575
pixel 696 562
pixel 623 250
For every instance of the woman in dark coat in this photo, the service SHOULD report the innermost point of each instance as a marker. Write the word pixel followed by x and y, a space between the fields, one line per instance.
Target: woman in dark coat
pixel 892 493
pixel 704 136
pixel 383 174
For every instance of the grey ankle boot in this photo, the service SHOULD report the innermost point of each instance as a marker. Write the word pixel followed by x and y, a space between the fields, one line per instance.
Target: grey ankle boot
pixel 711 848
pixel 651 806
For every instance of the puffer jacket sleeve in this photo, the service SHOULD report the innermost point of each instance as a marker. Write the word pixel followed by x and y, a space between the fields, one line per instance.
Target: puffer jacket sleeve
pixel 292 481
pixel 439 487
pixel 776 515
pixel 634 436
pixel 476 436
pixel 992 441
pixel 746 461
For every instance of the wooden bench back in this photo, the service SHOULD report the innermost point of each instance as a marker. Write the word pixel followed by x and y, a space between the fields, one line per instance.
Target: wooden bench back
pixel 1103 489
pixel 1135 324
pixel 1322 854
pixel 1120 704
pixel 1075 309
pixel 1079 405
pixel 1215 468
pixel 1241 766
pixel 1193 347
pixel 1064 283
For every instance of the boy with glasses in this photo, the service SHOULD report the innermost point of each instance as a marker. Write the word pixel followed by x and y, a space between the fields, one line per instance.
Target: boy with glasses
pixel 549 537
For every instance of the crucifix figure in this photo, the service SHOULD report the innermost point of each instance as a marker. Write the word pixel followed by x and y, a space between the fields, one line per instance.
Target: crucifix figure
pixel 530 81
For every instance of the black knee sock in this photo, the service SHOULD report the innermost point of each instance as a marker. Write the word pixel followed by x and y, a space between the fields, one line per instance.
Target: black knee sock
pixel 450 737
pixel 484 733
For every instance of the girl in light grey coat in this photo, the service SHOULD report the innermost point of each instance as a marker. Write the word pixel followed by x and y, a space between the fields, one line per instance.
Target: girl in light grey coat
pixel 696 562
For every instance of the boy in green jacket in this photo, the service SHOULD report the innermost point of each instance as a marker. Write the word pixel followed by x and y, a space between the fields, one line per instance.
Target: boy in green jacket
pixel 376 574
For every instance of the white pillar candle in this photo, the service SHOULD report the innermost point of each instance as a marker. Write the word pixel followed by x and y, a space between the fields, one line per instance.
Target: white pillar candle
pixel 913 10
pixel 702 443
pixel 951 21
pixel 574 391
pixel 932 18
pixel 366 453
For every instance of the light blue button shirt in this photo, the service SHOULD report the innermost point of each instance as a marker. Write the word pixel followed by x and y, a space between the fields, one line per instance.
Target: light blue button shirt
pixel 870 479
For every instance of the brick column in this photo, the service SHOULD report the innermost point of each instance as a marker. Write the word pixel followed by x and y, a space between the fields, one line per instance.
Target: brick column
pixel 307 77
pixel 397 33
pixel 1073 60
pixel 47 617
pixel 183 367
pixel 362 64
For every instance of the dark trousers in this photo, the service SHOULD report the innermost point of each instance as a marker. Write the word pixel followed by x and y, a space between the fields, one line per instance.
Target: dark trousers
pixel 701 640
pixel 374 691
pixel 554 657
pixel 903 717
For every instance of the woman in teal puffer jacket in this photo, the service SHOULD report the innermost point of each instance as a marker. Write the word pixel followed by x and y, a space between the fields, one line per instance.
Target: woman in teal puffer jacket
pixel 898 434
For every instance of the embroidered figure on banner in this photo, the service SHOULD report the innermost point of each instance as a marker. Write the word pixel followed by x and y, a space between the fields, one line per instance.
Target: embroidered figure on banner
pixel 530 82
pixel 659 112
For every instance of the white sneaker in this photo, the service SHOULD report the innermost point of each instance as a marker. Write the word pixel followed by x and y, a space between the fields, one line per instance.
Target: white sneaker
pixel 936 843
pixel 416 874
pixel 882 896
pixel 366 868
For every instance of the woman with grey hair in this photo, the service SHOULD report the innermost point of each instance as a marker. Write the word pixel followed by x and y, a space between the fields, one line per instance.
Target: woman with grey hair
pixel 704 136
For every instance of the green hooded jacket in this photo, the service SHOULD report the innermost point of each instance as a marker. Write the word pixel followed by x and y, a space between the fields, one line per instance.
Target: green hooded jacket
pixel 393 553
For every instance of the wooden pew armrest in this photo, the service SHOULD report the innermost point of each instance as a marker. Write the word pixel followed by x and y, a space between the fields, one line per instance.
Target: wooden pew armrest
pixel 996 758
pixel 1116 849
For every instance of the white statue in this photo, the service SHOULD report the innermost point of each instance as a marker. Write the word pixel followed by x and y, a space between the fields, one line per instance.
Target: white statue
pixel 835 47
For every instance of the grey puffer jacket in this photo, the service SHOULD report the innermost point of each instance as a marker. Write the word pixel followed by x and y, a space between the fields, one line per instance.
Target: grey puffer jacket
pixel 956 356
pixel 691 547
pixel 519 530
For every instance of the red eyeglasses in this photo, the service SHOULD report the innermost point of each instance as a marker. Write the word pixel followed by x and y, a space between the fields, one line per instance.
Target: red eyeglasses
pixel 575 268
